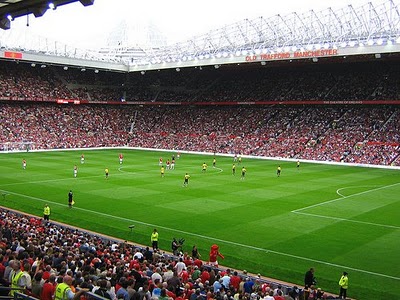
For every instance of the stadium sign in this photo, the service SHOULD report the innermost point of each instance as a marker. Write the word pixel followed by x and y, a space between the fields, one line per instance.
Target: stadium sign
pixel 295 54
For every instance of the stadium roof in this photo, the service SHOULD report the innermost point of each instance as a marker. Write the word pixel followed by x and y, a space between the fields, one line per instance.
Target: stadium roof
pixel 368 29
pixel 11 9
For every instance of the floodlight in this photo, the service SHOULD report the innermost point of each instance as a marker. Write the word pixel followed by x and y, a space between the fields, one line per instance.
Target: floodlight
pixel 370 42
pixel 33 64
pixel 352 43
pixel 390 42
pixel 286 49
pixel 207 56
pixel 39 11
pixel 225 54
pixel 86 2
pixel 258 51
pixel 178 69
pixel 237 53
pixel 343 44
pixel 52 6
pixel 201 56
pixel 5 24
pixel 378 55
pixel 309 47
pixel 263 63
pixel 216 66
pixel 219 55
pixel 65 68
pixel 315 59
pixel 83 70
pixel 10 17
pixel 143 72
pixel 317 46
pixel 43 66
pixel 294 48
pixel 244 52
pixel 379 41
pixel 96 71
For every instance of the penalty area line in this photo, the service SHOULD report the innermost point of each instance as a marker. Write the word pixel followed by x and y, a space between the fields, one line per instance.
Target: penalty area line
pixel 344 197
pixel 213 239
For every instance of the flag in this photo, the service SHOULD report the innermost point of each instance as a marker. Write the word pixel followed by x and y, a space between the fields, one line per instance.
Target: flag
pixel 73 202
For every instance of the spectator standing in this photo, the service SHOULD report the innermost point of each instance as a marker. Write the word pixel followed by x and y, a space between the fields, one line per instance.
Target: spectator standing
pixel 344 284
pixel 49 288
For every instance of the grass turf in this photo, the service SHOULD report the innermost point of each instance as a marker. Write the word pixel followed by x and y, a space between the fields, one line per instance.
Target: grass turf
pixel 332 218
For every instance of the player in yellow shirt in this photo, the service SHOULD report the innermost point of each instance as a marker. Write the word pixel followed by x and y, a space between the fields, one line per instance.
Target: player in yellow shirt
pixel 243 173
pixel 233 169
pixel 204 167
pixel 278 171
pixel 162 171
pixel 106 172
pixel 186 180
pixel 214 162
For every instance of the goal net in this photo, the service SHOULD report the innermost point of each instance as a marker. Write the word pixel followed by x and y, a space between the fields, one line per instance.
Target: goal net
pixel 17 146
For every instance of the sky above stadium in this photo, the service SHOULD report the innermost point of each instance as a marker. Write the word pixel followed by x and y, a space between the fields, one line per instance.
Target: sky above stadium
pixel 177 20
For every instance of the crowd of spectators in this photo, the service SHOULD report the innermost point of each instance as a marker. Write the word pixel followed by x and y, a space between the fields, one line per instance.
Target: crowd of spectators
pixel 354 134
pixel 50 254
pixel 353 81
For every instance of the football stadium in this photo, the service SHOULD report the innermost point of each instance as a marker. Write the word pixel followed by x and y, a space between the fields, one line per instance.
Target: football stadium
pixel 256 161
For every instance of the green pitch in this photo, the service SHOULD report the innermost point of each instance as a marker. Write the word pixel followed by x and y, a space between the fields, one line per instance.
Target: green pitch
pixel 332 218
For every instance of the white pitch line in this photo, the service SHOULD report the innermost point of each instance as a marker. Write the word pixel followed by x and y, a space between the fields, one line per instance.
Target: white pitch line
pixel 344 197
pixel 349 187
pixel 348 220
pixel 214 239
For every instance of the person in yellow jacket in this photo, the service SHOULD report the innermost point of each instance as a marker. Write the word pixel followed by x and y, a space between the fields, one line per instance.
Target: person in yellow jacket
pixel 154 239
pixel 19 280
pixel 344 284
pixel 64 291
pixel 46 213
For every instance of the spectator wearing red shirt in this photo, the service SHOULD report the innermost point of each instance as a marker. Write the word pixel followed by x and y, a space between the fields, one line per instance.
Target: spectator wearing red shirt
pixel 49 288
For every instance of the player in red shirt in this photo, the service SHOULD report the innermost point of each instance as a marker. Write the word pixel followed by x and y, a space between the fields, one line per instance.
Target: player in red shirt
pixel 160 161
pixel 121 158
